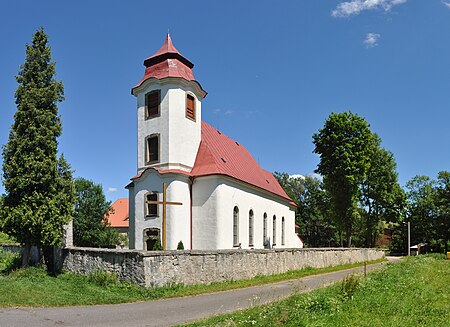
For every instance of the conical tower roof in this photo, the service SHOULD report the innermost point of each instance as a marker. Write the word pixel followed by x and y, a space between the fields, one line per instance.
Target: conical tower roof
pixel 167 51
pixel 167 62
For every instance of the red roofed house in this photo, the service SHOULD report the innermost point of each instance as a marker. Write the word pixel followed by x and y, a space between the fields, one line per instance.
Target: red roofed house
pixel 119 217
pixel 218 197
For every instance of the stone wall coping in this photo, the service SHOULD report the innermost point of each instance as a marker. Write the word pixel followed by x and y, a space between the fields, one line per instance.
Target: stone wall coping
pixel 209 252
pixel 6 245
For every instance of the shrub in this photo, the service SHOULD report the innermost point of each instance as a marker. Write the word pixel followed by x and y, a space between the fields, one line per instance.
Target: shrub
pixel 157 246
pixel 103 278
pixel 180 245
pixel 349 286
pixel 5 238
pixel 8 261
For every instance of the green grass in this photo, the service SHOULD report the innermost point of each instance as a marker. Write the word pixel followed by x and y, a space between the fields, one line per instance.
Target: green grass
pixel 413 292
pixel 33 287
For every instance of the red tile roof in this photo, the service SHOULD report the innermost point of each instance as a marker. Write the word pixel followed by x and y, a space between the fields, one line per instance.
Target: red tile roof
pixel 220 155
pixel 167 62
pixel 119 218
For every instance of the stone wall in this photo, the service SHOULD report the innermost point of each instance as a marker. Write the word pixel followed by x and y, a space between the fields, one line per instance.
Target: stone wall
pixel 127 264
pixel 204 267
pixel 17 248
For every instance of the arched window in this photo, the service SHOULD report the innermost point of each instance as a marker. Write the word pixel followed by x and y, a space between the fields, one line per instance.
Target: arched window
pixel 265 240
pixel 152 149
pixel 151 209
pixel 274 237
pixel 250 228
pixel 236 226
pixel 282 231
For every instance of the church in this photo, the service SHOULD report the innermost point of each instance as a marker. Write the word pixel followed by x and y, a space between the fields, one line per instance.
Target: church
pixel 195 185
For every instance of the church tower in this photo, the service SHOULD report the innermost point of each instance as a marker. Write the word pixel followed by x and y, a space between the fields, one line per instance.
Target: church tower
pixel 169 111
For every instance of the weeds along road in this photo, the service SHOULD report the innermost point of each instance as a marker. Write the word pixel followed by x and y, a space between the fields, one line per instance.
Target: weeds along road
pixel 170 312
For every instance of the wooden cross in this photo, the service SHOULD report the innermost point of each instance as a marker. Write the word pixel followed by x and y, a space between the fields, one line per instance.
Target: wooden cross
pixel 164 202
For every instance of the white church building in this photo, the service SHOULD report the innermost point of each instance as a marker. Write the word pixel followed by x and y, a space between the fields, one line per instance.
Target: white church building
pixel 193 183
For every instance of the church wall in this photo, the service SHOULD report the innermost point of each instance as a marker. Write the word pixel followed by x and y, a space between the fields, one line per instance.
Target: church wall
pixel 179 136
pixel 184 133
pixel 131 222
pixel 224 194
pixel 178 217
pixel 178 227
pixel 205 207
pixel 147 127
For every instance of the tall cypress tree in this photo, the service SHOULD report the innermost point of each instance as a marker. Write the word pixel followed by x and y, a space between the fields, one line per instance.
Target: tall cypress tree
pixel 39 188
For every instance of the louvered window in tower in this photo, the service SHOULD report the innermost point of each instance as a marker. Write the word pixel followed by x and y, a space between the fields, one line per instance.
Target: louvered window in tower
pixel 152 101
pixel 190 107
pixel 152 149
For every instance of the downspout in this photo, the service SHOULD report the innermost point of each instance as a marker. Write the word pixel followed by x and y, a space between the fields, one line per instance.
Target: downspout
pixel 190 196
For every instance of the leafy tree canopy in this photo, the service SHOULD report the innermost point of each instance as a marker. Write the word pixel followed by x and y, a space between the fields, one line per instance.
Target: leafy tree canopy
pixel 312 215
pixel 429 211
pixel 90 225
pixel 345 145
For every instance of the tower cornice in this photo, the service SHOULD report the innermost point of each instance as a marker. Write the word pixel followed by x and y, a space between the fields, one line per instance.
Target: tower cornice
pixel 194 85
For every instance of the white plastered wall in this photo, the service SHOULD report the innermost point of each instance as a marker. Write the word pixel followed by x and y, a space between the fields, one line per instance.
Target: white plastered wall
pixel 214 198
pixel 179 136
pixel 131 220
pixel 178 216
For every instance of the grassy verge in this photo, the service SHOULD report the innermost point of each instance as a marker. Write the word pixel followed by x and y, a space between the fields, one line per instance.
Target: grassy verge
pixel 33 287
pixel 414 292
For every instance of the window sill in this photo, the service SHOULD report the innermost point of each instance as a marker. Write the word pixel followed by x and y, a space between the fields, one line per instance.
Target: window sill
pixel 151 162
pixel 190 118
pixel 150 117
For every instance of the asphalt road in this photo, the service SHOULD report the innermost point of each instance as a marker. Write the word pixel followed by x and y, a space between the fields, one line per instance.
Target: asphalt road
pixel 170 311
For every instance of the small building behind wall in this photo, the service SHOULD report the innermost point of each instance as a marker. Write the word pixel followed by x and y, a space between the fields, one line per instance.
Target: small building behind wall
pixel 193 183
pixel 119 217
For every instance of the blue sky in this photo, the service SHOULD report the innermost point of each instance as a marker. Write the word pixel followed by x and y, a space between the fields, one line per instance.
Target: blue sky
pixel 274 71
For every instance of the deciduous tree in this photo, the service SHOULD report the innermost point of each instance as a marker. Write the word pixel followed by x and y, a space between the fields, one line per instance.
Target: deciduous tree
pixel 313 209
pixel 382 198
pixel 90 225
pixel 443 208
pixel 345 145
pixel 422 211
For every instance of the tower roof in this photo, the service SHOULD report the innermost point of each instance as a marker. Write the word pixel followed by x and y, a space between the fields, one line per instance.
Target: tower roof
pixel 167 62
pixel 167 51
